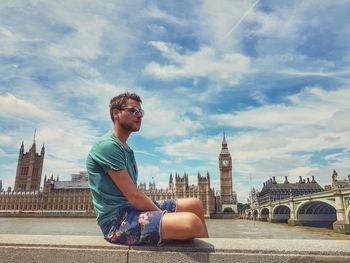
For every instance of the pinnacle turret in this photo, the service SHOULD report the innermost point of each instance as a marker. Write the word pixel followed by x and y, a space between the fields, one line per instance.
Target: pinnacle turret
pixel 21 150
pixel 33 148
pixel 224 149
pixel 42 150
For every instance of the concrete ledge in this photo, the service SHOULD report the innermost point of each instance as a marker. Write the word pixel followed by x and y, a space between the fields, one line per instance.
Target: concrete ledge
pixel 39 248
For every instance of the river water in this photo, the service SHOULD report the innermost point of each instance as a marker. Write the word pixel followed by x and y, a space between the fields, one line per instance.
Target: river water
pixel 218 228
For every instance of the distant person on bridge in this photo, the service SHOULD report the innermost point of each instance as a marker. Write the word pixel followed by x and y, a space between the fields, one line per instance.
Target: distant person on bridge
pixel 124 213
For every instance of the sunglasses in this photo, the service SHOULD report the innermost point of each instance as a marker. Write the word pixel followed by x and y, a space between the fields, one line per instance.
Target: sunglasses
pixel 135 111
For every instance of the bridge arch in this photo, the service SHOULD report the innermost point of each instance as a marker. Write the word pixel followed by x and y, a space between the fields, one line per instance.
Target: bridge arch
pixel 264 214
pixel 316 213
pixel 281 213
pixel 331 203
pixel 279 207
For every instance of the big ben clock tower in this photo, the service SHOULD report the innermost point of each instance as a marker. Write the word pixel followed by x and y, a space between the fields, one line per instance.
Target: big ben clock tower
pixel 228 198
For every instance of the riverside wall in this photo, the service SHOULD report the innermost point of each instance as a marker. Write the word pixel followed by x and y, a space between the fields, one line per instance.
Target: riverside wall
pixel 42 248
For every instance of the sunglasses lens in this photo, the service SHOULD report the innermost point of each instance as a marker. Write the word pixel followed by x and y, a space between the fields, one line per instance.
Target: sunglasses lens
pixel 136 111
pixel 133 111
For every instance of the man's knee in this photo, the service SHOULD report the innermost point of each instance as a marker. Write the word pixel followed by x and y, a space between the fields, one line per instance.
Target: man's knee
pixel 196 204
pixel 193 205
pixel 193 224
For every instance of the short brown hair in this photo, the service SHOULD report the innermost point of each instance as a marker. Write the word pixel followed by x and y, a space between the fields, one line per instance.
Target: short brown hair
pixel 119 102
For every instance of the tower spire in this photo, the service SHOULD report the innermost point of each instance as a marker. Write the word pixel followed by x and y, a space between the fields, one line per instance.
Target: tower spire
pixel 224 139
pixel 224 149
pixel 34 136
pixel 33 148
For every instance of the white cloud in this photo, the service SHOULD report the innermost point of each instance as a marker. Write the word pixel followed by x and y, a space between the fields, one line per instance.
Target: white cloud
pixel 282 23
pixel 144 153
pixel 272 116
pixel 281 37
pixel 303 171
pixel 10 41
pixel 219 19
pixel 2 152
pixel 5 139
pixel 334 156
pixel 13 107
pixel 62 168
pixel 213 91
pixel 152 173
pixel 323 173
pixel 73 142
pixel 8 172
pixel 195 148
pixel 156 29
pixel 166 117
pixel 285 130
pixel 227 67
pixel 315 107
pixel 93 96
pixel 84 43
pixel 153 12
pixel 259 97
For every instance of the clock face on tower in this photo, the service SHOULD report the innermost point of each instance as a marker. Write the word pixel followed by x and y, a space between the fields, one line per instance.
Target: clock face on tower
pixel 225 163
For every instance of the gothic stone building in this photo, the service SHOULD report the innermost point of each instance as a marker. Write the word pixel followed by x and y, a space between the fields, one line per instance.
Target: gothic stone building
pixel 181 189
pixel 273 191
pixel 336 183
pixel 74 196
pixel 212 202
pixel 56 196
pixel 228 198
pixel 29 169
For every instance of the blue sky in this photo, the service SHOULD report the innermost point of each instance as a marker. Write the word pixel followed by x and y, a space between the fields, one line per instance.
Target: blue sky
pixel 274 75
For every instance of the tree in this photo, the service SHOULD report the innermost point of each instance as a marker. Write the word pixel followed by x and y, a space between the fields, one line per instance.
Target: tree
pixel 242 207
pixel 228 210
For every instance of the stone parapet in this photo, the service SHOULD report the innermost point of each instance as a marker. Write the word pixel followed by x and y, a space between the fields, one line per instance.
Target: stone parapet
pixel 40 248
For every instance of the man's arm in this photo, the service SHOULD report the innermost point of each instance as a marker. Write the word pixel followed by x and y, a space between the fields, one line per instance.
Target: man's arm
pixel 135 197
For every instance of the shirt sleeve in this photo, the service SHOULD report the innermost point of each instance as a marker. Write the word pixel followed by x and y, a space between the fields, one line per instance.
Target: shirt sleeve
pixel 110 156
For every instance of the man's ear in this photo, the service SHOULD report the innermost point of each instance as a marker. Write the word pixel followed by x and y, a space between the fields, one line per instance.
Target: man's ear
pixel 115 114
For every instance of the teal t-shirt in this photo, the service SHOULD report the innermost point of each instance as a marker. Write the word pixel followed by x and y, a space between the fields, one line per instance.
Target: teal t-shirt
pixel 109 154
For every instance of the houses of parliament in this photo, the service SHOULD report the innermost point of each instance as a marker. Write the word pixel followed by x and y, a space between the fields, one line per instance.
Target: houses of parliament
pixel 74 197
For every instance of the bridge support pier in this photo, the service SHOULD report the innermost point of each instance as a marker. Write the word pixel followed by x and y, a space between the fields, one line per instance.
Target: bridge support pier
pixel 293 222
pixel 269 219
pixel 341 227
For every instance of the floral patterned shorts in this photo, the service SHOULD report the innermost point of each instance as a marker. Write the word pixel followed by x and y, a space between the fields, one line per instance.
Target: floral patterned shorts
pixel 133 227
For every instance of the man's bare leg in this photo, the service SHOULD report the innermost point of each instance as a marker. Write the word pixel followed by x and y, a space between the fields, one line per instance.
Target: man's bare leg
pixel 181 226
pixel 193 205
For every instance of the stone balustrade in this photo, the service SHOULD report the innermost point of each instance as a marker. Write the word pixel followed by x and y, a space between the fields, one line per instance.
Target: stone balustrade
pixel 84 249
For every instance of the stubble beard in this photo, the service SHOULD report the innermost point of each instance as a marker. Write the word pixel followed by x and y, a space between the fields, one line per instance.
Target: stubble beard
pixel 131 127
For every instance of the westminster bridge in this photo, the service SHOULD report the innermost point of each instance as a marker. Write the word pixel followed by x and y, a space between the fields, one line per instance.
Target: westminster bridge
pixel 319 209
